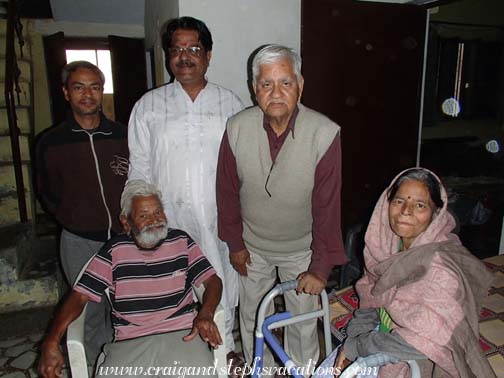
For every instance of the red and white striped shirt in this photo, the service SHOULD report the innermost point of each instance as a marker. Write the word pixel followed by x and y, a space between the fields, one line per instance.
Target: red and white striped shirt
pixel 150 290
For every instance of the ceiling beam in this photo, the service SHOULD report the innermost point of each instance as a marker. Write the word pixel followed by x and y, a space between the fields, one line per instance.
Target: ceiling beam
pixel 431 3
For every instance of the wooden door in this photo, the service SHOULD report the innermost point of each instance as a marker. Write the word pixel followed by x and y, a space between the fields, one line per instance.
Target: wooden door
pixel 362 64
pixel 55 57
pixel 129 74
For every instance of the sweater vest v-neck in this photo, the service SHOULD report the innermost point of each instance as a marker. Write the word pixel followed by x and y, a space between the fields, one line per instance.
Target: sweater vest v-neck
pixel 282 222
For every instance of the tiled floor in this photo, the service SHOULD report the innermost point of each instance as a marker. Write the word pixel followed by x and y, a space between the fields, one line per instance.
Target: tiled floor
pixel 18 357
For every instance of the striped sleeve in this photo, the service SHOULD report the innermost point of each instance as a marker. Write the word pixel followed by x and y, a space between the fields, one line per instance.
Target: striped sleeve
pixel 199 268
pixel 97 277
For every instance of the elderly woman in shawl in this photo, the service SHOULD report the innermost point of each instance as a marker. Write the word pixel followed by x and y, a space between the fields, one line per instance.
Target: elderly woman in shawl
pixel 421 292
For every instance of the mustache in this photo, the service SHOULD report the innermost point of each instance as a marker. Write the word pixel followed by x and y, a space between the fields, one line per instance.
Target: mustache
pixel 185 63
pixel 154 225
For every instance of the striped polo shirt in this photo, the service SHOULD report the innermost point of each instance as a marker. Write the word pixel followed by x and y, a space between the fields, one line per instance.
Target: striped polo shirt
pixel 150 290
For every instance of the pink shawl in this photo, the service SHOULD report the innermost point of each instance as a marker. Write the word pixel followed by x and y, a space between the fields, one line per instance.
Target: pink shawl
pixel 432 292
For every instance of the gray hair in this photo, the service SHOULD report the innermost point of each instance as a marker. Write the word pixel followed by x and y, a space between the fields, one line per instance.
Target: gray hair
pixel 272 54
pixel 424 176
pixel 74 66
pixel 136 188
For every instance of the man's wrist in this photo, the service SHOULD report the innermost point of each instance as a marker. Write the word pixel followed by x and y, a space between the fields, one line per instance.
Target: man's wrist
pixel 51 343
pixel 206 313
pixel 235 245
pixel 318 274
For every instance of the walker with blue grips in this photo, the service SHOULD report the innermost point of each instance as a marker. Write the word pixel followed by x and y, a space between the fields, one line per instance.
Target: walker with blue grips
pixel 266 325
pixel 362 367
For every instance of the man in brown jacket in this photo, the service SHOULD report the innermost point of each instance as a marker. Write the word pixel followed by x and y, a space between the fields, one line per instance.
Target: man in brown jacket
pixel 82 165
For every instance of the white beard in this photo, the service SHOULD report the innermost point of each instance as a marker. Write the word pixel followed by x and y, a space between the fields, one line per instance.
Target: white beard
pixel 148 238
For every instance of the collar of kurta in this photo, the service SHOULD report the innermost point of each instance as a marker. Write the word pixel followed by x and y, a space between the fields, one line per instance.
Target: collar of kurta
pixel 179 87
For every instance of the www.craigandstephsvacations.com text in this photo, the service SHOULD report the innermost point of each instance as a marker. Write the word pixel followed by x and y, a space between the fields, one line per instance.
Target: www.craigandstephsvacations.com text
pixel 176 370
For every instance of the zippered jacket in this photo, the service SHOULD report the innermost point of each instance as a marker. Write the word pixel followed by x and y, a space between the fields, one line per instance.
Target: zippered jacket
pixel 81 175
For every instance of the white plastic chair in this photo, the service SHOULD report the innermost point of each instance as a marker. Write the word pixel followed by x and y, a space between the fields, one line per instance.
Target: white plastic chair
pixel 501 245
pixel 77 353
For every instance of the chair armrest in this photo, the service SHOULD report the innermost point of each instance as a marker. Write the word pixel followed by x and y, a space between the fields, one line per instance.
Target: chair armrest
pixel 352 270
pixel 75 345
pixel 219 353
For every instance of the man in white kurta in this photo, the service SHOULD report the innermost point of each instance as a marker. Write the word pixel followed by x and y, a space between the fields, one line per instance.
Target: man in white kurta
pixel 174 135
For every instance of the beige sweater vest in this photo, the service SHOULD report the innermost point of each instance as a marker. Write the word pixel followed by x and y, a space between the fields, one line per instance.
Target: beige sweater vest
pixel 281 223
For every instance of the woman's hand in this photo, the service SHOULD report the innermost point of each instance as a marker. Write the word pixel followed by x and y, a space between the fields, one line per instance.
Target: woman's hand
pixel 341 362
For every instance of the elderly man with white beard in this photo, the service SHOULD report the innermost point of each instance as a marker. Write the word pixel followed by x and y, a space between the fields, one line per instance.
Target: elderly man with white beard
pixel 148 272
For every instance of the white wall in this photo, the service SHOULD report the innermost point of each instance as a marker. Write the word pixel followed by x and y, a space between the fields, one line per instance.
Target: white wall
pixel 238 28
pixel 157 12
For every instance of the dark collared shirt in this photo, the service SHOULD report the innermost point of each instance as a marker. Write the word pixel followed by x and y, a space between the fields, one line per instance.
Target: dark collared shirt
pixel 276 142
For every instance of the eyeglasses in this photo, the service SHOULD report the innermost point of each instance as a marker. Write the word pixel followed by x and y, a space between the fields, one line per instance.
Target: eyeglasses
pixel 191 50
